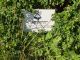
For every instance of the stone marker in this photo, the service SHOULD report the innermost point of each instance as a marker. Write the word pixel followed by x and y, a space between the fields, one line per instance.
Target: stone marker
pixel 40 21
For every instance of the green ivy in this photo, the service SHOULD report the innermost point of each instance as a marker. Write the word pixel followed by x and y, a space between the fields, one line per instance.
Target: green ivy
pixel 63 43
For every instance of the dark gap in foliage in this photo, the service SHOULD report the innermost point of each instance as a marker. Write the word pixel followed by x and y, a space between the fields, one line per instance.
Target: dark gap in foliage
pixel 3 19
pixel 77 51
pixel 74 31
pixel 71 16
pixel 72 47
pixel 60 7
pixel 41 57
pixel 74 43
pixel 60 44
pixel 60 47
pixel 78 7
pixel 36 57
pixel 9 39
pixel 9 3
pixel 37 5
pixel 18 46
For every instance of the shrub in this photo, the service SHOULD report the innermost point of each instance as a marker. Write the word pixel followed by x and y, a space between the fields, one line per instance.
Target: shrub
pixel 62 43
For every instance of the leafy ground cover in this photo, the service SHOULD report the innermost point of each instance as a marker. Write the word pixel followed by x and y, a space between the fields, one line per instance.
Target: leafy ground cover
pixel 62 43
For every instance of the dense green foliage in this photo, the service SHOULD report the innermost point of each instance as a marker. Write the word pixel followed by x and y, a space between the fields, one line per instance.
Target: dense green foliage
pixel 62 43
pixel 67 27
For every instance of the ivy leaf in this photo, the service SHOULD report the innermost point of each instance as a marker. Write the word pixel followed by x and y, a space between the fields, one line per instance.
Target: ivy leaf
pixel 48 36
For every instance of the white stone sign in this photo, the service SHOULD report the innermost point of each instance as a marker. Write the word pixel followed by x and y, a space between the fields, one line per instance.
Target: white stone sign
pixel 38 21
